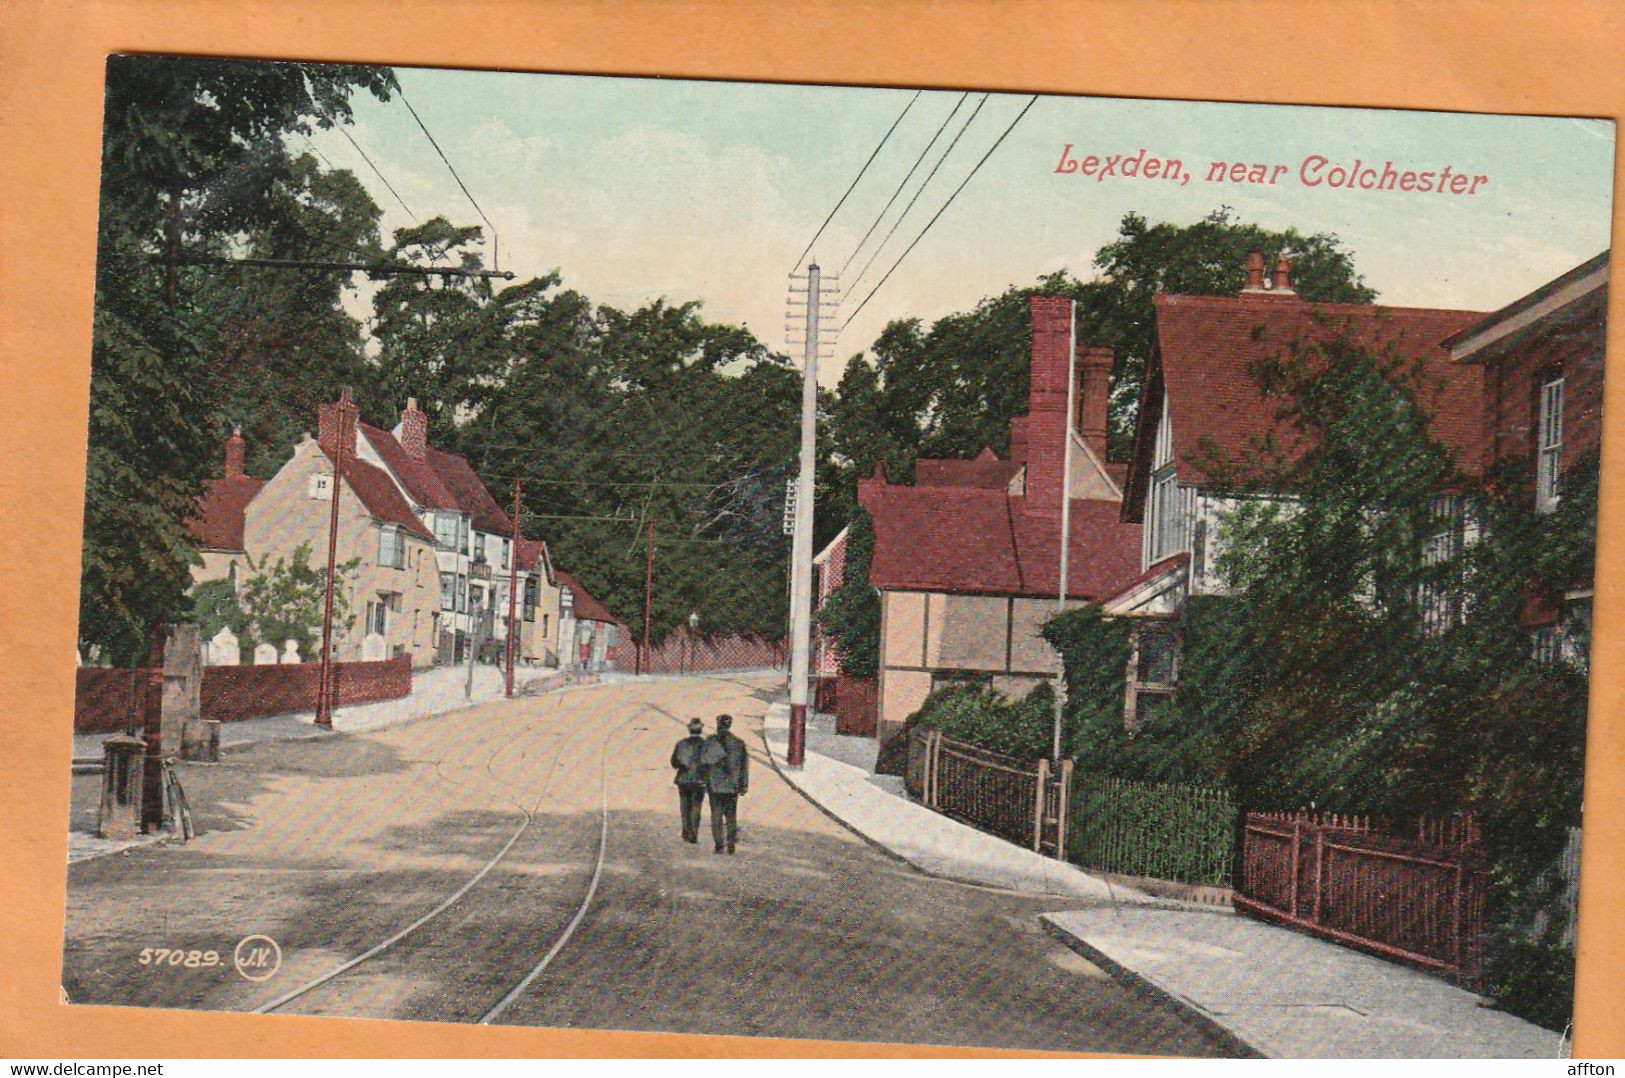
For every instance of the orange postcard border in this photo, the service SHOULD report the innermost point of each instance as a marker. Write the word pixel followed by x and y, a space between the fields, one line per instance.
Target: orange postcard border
pixel 1457 55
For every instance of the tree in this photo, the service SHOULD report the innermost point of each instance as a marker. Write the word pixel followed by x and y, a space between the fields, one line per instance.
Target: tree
pixel 192 150
pixel 287 601
pixel 851 615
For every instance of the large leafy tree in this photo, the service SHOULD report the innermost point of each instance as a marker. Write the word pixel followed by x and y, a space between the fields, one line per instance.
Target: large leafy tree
pixel 193 153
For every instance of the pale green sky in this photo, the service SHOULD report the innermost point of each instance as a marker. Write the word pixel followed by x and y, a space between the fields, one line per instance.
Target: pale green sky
pixel 638 188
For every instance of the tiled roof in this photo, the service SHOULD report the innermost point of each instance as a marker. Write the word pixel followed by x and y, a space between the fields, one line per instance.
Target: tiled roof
pixel 587 607
pixel 977 541
pixel 987 471
pixel 440 480
pixel 218 522
pixel 1207 344
pixel 381 497
pixel 422 484
pixel 529 553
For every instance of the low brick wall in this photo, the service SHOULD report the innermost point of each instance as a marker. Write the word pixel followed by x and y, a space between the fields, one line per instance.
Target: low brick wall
pixel 234 693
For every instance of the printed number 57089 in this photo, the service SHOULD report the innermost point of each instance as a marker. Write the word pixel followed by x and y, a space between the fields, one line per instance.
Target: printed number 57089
pixel 166 956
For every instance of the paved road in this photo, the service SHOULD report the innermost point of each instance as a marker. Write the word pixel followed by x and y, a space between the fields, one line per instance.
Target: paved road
pixel 332 847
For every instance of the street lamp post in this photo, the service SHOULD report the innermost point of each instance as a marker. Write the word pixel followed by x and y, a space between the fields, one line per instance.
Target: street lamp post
pixel 693 624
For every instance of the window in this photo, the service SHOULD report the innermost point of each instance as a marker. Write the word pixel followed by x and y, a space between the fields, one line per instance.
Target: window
pixel 445 530
pixel 479 548
pixel 1153 672
pixel 1549 459
pixel 960 679
pixel 1167 524
pixel 505 551
pixel 1441 593
pixel 321 486
pixel 448 591
pixel 378 616
pixel 391 547
pixel 533 592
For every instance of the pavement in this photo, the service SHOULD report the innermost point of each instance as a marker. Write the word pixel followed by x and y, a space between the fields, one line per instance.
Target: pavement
pixel 1267 990
pixel 434 692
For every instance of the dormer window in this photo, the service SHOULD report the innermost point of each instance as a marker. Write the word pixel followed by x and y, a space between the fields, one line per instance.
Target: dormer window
pixel 1549 457
pixel 321 486
pixel 446 530
pixel 391 547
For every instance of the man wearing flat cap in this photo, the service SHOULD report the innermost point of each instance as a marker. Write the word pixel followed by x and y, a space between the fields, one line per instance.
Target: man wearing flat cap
pixel 727 778
pixel 690 778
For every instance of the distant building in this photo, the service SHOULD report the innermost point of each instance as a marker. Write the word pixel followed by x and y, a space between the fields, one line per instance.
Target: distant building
pixel 967 560
pixel 395 588
pixel 587 630
pixel 217 526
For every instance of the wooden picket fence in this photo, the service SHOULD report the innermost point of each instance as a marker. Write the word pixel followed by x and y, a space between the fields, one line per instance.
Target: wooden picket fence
pixel 1415 893
pixel 1024 802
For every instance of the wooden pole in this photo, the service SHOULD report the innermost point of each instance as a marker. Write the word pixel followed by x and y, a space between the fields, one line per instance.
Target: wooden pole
pixel 647 660
pixel 513 585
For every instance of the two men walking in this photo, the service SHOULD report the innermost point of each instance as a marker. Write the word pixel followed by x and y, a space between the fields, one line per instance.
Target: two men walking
pixel 719 767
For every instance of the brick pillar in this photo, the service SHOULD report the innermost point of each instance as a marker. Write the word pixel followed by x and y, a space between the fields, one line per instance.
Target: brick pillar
pixel 1094 395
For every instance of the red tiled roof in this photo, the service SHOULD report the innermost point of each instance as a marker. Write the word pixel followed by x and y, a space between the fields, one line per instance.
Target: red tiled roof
pixel 1206 345
pixel 529 553
pixel 987 471
pixel 977 541
pixel 218 522
pixel 417 476
pixel 381 497
pixel 440 480
pixel 587 608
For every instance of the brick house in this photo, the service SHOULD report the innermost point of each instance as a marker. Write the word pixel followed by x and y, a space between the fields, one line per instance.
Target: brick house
pixel 217 525
pixel 1541 359
pixel 1205 422
pixel 967 560
pixel 394 590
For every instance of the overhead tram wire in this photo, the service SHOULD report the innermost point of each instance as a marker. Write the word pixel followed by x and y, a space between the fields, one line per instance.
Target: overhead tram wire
pixel 496 248
pixel 1031 102
pixel 917 161
pixel 927 183
pixel 884 139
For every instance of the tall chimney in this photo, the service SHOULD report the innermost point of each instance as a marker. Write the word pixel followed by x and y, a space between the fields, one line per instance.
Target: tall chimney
pixel 234 453
pixel 1255 271
pixel 336 423
pixel 1283 274
pixel 413 432
pixel 1094 393
pixel 1046 403
pixel 1018 439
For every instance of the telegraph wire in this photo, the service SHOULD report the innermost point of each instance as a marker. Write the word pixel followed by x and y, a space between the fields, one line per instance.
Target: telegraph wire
pixel 495 248
pixel 904 215
pixel 1031 102
pixel 881 216
pixel 341 128
pixel 884 139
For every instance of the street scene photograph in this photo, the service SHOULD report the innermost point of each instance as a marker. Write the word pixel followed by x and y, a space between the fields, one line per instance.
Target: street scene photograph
pixel 845 563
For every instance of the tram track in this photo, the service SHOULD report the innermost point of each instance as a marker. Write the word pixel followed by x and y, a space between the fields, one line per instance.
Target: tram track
pixel 561 744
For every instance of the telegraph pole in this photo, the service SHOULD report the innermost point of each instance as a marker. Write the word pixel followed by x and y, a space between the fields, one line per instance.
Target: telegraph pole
pixel 324 688
pixel 801 553
pixel 647 660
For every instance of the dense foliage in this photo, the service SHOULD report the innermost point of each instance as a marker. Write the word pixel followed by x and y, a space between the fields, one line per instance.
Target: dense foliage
pixel 195 161
pixel 1020 728
pixel 851 615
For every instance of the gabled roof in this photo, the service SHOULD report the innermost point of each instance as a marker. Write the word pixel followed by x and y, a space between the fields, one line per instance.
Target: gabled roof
pixel 1581 290
pixel 381 497
pixel 440 480
pixel 986 471
pixel 529 554
pixel 981 542
pixel 218 522
pixel 1206 347
pixel 587 607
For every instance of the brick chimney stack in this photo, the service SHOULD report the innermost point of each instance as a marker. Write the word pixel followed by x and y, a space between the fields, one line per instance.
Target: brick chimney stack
pixel 413 432
pixel 1046 407
pixel 1283 275
pixel 336 424
pixel 1255 271
pixel 1094 393
pixel 234 453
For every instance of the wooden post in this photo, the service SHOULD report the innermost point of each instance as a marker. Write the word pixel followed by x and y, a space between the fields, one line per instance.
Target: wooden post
pixel 1297 831
pixel 1038 814
pixel 1064 812
pixel 1320 855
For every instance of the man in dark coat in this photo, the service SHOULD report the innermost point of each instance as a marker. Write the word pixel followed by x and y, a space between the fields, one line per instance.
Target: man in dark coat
pixel 685 758
pixel 727 779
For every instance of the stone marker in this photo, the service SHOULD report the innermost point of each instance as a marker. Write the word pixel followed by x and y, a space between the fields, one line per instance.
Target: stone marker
pixel 374 648
pixel 265 655
pixel 290 652
pixel 224 649
pixel 123 776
